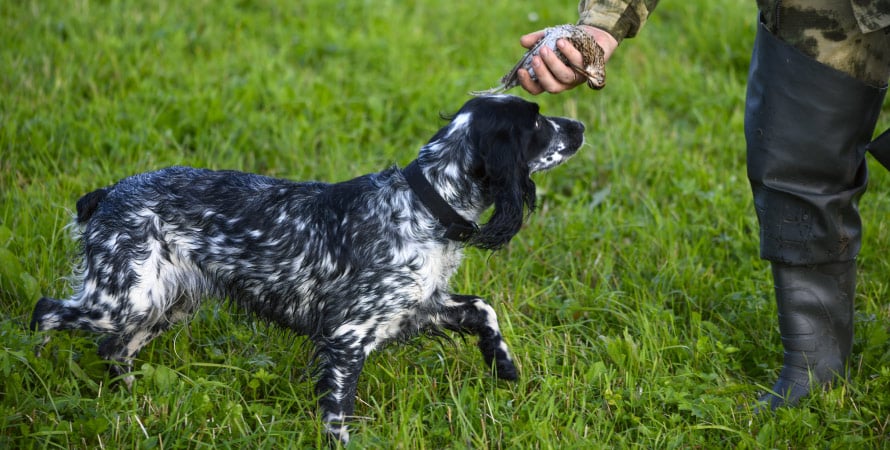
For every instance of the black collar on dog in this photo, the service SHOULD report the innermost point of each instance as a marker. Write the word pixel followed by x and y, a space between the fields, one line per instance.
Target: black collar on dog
pixel 456 227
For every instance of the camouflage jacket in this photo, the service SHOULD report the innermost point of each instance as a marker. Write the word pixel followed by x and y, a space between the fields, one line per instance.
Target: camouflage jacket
pixel 871 15
pixel 621 18
pixel 624 18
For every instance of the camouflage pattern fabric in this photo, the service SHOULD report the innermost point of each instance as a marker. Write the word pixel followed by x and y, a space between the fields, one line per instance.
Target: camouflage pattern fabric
pixel 621 18
pixel 848 35
pixel 872 15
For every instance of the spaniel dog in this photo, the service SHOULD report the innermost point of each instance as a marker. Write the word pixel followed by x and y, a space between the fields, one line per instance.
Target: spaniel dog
pixel 352 265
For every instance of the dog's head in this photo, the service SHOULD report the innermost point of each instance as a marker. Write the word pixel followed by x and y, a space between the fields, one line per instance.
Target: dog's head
pixel 503 140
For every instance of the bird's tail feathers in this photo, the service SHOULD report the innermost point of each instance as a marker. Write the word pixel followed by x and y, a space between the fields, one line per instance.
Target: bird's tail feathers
pixel 495 90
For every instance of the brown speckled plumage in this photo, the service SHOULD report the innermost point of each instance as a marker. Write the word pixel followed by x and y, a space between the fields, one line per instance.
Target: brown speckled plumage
pixel 594 62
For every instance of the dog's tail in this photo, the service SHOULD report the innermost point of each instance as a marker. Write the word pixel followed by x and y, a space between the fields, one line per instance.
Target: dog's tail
pixel 71 314
pixel 88 204
pixel 45 315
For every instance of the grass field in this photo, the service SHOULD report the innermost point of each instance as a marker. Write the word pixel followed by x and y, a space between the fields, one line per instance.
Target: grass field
pixel 638 311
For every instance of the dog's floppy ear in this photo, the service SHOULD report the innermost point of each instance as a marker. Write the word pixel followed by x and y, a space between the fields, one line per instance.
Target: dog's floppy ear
pixel 507 176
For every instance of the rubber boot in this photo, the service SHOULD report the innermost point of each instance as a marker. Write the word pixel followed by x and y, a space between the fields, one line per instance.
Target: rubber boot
pixel 815 305
pixel 806 127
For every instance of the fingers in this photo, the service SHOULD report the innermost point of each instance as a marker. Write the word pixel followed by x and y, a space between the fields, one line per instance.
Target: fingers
pixel 561 72
pixel 552 74
pixel 604 39
pixel 532 86
pixel 529 39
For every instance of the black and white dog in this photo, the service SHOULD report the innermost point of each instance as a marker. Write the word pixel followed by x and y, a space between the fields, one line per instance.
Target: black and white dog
pixel 351 265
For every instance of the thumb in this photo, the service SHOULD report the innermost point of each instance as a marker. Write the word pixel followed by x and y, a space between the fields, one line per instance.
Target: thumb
pixel 603 38
pixel 529 39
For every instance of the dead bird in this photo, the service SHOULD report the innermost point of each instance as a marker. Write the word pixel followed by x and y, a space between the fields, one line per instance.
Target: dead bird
pixel 594 61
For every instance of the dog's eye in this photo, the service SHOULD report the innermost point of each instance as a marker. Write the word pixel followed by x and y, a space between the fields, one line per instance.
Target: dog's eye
pixel 537 123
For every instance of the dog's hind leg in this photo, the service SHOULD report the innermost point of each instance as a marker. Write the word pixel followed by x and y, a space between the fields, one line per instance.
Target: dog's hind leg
pixel 131 318
pixel 83 311
pixel 51 314
pixel 121 349
pixel 75 314
pixel 467 313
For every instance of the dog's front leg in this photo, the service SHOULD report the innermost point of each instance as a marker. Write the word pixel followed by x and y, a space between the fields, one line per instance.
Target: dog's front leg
pixel 467 313
pixel 340 364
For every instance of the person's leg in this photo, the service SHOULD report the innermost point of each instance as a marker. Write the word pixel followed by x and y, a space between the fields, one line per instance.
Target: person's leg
pixel 829 32
pixel 806 127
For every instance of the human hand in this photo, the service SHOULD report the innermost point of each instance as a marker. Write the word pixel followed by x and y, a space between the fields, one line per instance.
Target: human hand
pixel 552 74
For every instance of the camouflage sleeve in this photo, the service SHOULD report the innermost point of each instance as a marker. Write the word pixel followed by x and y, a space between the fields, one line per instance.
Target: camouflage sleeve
pixel 621 18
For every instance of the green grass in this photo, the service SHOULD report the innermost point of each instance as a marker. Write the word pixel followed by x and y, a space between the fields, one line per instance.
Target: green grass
pixel 634 301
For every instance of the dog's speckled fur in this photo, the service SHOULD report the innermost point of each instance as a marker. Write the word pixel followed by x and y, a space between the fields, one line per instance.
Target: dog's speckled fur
pixel 352 265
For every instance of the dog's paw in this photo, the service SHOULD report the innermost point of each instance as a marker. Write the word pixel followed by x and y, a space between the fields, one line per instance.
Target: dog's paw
pixel 506 370
pixel 120 376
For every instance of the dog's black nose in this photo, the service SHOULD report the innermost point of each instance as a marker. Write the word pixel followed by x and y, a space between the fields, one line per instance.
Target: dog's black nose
pixel 578 124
